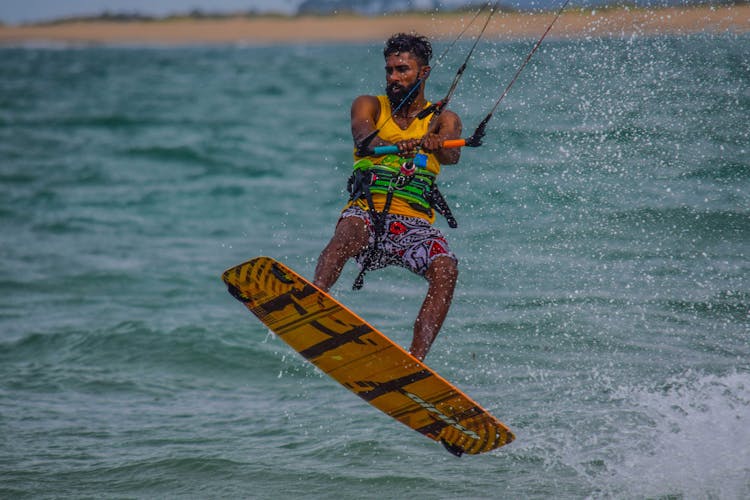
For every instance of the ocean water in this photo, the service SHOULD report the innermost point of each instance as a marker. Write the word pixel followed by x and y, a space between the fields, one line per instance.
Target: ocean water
pixel 602 310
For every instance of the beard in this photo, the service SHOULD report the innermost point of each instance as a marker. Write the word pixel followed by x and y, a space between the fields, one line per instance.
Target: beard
pixel 397 94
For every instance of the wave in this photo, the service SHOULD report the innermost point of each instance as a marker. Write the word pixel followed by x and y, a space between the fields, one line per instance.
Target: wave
pixel 178 154
pixel 685 437
pixel 732 224
pixel 696 439
pixel 721 170
pixel 728 304
pixel 160 476
pixel 111 121
pixel 133 356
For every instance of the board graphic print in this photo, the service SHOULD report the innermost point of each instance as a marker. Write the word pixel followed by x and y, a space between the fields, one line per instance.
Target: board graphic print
pixel 362 359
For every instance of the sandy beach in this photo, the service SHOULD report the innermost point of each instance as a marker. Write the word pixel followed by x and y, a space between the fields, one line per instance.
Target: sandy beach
pixel 615 22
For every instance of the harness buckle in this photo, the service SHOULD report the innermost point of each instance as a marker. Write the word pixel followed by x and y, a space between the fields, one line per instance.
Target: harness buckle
pixel 408 168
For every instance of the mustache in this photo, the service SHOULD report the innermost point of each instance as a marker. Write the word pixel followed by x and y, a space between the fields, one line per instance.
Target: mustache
pixel 396 88
pixel 401 95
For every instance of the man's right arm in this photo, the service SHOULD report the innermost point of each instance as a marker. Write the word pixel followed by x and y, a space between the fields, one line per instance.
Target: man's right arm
pixel 364 113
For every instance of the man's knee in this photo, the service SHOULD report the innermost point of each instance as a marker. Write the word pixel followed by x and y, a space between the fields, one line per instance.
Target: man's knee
pixel 443 269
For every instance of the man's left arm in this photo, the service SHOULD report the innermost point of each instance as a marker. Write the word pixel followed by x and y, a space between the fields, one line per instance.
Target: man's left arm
pixel 448 127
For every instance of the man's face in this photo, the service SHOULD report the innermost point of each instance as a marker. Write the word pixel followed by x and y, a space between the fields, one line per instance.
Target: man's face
pixel 402 72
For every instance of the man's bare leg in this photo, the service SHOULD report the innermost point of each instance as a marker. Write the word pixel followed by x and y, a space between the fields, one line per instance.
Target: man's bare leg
pixel 441 275
pixel 349 239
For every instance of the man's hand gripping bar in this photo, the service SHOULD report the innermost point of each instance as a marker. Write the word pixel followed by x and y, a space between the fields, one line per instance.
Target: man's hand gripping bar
pixel 472 142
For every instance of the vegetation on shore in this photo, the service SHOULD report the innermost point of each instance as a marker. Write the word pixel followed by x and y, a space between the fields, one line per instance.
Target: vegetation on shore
pixel 202 15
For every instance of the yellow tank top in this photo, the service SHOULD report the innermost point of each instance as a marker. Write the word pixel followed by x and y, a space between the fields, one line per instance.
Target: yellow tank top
pixel 391 132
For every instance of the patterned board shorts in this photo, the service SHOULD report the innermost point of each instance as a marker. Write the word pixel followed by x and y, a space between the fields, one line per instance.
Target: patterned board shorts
pixel 408 242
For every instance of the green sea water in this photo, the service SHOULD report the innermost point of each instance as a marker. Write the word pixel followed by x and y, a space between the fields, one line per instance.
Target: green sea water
pixel 602 309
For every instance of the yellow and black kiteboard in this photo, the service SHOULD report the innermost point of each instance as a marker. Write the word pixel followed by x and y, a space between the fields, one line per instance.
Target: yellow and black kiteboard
pixel 362 359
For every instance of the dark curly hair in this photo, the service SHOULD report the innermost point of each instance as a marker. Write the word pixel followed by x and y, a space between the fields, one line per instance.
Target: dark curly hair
pixel 416 45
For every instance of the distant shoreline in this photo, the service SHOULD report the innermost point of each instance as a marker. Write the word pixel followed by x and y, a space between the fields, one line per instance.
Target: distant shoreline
pixel 578 23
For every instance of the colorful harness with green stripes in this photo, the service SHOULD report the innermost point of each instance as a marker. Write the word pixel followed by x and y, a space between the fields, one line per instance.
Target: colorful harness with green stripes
pixel 391 176
pixel 384 178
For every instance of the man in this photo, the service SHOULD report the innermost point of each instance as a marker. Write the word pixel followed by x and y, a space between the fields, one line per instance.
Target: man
pixel 389 218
